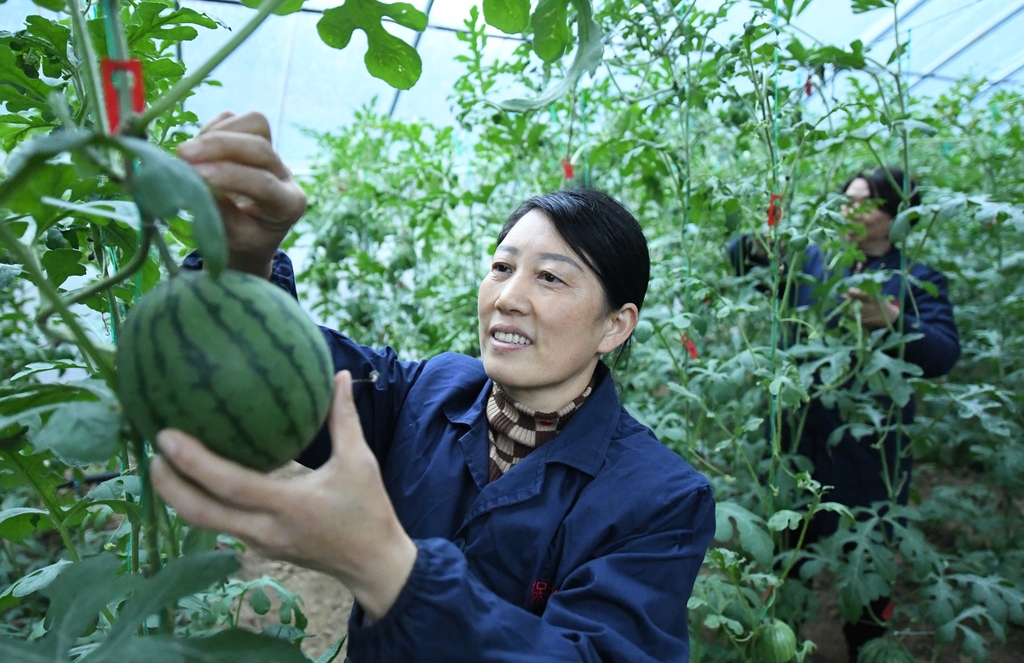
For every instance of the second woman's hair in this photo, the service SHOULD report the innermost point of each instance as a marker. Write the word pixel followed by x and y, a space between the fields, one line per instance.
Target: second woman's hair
pixel 603 234
pixel 886 186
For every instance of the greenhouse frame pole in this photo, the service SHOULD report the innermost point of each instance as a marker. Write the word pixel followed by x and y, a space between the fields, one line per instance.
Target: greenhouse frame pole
pixel 971 39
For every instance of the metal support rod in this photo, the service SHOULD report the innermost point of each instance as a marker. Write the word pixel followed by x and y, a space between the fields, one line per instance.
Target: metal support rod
pixel 883 27
pixel 1004 74
pixel 995 22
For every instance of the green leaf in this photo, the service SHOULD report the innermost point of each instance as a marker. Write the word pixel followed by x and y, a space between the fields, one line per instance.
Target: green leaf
pixel 33 582
pixel 82 433
pixel 551 31
pixel 199 540
pixel 16 651
pixel 387 57
pixel 79 592
pixel 45 147
pixel 52 179
pixel 752 536
pixel 163 185
pixel 288 7
pixel 183 576
pixel 20 522
pixel 509 16
pixel 7 275
pixel 589 52
pixel 19 92
pixel 52 5
pixel 229 646
pixel 332 654
pixel 61 264
pixel 861 6
pixel 784 519
pixel 259 601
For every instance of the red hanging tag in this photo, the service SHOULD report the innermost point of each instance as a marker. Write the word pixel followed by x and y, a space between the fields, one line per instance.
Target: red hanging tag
pixel 568 169
pixel 808 87
pixel 691 349
pixel 772 216
pixel 132 77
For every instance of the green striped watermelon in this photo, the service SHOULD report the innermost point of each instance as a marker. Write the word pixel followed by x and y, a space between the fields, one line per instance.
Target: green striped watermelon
pixel 234 361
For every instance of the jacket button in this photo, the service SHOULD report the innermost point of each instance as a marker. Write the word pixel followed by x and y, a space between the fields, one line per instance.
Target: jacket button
pixel 460 543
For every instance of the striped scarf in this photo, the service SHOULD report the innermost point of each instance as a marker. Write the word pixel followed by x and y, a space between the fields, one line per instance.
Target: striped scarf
pixel 514 430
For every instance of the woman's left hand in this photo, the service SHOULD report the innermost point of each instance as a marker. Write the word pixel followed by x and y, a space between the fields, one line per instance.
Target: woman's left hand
pixel 873 314
pixel 337 519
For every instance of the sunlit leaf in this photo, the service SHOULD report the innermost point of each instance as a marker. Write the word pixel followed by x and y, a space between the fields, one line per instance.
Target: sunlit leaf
pixel 387 57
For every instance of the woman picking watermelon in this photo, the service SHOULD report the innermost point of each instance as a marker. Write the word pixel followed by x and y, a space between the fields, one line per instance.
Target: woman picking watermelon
pixel 479 510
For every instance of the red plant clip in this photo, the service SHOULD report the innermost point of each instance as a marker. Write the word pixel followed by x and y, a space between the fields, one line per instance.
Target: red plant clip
pixel 568 169
pixel 131 71
pixel 888 610
pixel 690 347
pixel 772 216
pixel 808 87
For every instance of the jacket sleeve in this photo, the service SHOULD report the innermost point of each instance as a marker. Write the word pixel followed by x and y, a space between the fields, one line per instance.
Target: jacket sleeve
pixel 626 605
pixel 931 315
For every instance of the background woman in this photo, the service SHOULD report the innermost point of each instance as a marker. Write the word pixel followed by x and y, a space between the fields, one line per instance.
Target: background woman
pixel 862 470
pixel 480 510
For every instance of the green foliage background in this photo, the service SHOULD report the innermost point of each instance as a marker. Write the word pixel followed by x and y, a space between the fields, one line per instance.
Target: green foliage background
pixel 688 125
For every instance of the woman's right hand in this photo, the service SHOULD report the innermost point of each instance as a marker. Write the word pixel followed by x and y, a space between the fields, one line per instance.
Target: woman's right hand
pixel 257 196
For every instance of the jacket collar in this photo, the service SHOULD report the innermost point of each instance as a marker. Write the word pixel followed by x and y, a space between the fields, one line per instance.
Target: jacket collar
pixel 582 444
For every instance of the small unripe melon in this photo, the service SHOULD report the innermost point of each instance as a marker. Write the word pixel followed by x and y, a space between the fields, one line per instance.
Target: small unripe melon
pixel 233 361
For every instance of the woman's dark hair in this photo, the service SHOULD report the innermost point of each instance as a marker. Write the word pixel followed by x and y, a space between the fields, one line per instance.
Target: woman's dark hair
pixel 606 237
pixel 603 233
pixel 886 186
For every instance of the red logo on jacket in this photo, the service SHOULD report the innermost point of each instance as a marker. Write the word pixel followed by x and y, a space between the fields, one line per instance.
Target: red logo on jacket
pixel 540 592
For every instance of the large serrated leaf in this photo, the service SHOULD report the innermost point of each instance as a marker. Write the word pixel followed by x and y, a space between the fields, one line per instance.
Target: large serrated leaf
pixel 163 185
pixel 387 57
pixel 589 52
pixel 751 529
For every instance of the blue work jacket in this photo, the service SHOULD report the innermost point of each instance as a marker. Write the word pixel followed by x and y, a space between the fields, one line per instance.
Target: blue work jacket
pixel 586 550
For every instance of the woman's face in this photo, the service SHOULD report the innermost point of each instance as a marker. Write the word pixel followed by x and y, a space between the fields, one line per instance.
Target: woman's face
pixel 544 320
pixel 863 211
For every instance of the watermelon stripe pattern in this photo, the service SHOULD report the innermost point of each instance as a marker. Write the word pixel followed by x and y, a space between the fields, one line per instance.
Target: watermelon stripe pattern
pixel 233 361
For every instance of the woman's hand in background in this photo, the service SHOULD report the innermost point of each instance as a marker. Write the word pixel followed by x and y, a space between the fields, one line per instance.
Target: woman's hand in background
pixel 337 519
pixel 873 314
pixel 258 198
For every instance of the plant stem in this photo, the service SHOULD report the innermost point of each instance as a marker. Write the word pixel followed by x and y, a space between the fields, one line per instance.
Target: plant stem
pixel 185 85
pixel 87 60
